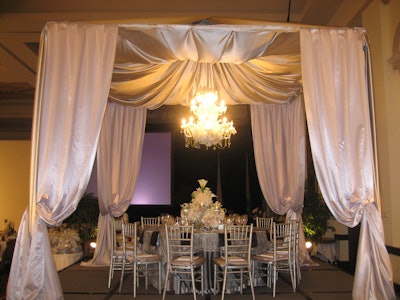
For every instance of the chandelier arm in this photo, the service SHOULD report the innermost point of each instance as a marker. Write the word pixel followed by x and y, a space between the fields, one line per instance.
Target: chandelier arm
pixel 205 127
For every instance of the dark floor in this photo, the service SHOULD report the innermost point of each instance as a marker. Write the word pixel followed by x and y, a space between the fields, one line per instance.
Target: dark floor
pixel 321 282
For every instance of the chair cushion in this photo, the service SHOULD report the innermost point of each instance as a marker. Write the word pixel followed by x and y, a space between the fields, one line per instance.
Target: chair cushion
pixel 232 260
pixel 118 252
pixel 185 260
pixel 266 257
pixel 129 255
pixel 148 257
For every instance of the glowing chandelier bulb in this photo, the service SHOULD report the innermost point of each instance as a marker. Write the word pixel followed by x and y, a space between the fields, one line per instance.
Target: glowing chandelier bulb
pixel 205 127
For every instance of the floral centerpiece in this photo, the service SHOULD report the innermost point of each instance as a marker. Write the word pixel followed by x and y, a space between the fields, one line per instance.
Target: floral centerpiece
pixel 64 240
pixel 202 211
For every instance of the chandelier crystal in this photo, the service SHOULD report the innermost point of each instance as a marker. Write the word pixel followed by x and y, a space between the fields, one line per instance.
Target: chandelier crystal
pixel 205 127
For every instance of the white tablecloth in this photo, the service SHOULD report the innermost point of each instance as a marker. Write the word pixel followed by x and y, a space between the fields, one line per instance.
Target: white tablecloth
pixel 327 250
pixel 63 261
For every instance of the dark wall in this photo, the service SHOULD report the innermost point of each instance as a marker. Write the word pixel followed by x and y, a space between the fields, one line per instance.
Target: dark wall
pixel 239 185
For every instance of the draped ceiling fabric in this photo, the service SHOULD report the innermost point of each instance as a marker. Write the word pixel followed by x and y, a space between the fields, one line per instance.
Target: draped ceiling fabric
pixel 167 64
pixel 154 65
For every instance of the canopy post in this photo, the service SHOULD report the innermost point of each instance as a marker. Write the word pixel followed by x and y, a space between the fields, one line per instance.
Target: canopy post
pixel 370 93
pixel 36 131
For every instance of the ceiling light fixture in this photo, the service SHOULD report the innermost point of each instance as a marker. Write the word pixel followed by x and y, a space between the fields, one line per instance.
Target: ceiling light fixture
pixel 205 127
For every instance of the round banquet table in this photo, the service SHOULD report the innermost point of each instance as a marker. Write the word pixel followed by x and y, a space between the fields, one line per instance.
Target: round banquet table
pixel 208 242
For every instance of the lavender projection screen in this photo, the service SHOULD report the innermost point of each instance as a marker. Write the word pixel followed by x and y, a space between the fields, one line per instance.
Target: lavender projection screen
pixel 153 186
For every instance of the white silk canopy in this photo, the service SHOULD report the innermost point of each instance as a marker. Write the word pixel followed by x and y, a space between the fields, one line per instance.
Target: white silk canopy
pixel 96 81
pixel 167 64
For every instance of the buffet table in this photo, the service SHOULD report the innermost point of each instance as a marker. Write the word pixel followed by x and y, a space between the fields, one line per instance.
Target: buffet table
pixel 326 248
pixel 65 260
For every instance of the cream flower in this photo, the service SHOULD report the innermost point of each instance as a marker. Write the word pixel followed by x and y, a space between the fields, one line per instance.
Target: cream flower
pixel 202 211
pixel 202 183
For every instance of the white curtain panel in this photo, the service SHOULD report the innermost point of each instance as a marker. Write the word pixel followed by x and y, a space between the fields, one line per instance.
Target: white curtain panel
pixel 338 118
pixel 279 151
pixel 118 162
pixel 71 97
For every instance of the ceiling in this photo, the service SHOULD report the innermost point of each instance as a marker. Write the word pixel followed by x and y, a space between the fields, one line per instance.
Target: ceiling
pixel 22 21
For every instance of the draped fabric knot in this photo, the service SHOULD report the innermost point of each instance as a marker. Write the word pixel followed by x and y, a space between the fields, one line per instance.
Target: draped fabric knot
pixel 44 202
pixel 368 200
pixel 115 208
pixel 116 198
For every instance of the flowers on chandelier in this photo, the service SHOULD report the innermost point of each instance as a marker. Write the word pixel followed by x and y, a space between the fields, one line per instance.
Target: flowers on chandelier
pixel 202 211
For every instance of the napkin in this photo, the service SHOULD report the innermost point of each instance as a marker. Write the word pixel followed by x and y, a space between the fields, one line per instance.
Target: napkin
pixel 154 238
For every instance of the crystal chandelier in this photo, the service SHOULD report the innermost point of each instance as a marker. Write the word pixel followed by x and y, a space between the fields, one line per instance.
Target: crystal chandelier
pixel 205 127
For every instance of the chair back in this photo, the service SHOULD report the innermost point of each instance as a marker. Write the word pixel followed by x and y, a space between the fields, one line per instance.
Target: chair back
pixel 116 233
pixel 116 251
pixel 148 222
pixel 295 238
pixel 283 237
pixel 282 230
pixel 179 241
pixel 237 242
pixel 129 239
pixel 264 222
